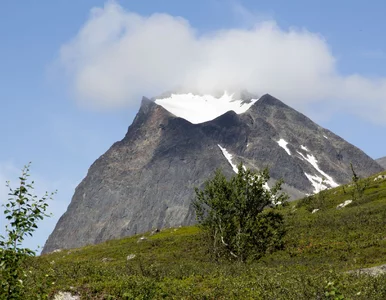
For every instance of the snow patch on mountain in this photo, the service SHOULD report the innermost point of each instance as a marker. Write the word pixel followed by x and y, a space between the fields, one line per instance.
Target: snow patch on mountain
pixel 202 108
pixel 316 182
pixel 304 148
pixel 314 179
pixel 283 143
pixel 229 157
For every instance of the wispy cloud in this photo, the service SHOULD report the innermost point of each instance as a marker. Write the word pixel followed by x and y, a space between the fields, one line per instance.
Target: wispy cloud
pixel 118 55
pixel 246 17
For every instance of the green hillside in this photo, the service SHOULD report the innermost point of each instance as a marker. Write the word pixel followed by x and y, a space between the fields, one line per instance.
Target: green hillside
pixel 174 263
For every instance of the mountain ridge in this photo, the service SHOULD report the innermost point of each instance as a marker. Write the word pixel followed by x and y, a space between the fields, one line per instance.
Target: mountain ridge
pixel 382 162
pixel 147 179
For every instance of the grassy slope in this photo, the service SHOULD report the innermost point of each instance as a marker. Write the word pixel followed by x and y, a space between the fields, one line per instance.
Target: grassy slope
pixel 174 263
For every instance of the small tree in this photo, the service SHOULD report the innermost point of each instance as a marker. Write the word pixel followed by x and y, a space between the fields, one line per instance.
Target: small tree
pixel 23 211
pixel 232 214
pixel 358 185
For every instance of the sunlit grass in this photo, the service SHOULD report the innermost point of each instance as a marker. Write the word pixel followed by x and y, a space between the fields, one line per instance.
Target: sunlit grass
pixel 174 263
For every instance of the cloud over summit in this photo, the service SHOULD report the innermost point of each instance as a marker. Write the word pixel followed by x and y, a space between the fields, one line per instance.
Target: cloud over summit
pixel 118 56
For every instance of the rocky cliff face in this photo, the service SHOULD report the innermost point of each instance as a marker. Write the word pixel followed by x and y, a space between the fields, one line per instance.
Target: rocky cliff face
pixel 382 162
pixel 147 179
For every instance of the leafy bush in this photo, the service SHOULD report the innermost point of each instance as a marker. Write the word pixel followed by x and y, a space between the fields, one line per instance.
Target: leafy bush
pixel 23 211
pixel 232 214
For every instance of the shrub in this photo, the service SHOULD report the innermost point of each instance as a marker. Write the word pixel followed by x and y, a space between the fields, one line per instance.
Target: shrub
pixel 23 211
pixel 232 214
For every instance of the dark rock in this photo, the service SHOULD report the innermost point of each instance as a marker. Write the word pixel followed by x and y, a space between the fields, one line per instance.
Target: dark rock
pixel 147 180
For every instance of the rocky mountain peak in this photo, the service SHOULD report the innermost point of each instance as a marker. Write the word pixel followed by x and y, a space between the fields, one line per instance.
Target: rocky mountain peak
pixel 150 120
pixel 267 99
pixel 174 144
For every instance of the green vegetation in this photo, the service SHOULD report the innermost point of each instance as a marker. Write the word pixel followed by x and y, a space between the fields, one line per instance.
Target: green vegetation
pixel 319 249
pixel 358 185
pixel 232 215
pixel 23 211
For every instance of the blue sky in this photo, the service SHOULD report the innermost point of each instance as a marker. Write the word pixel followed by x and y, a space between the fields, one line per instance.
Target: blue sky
pixel 72 76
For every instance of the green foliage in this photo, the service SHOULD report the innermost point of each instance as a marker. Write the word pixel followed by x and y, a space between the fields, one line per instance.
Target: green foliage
pixel 231 213
pixel 23 211
pixel 320 250
pixel 358 185
pixel 333 292
pixel 356 189
pixel 316 201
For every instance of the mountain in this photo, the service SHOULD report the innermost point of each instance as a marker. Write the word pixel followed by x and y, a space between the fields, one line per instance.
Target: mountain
pixel 382 162
pixel 177 141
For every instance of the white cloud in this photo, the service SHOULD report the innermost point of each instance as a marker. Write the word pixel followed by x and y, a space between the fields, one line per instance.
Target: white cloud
pixel 117 56
pixel 245 16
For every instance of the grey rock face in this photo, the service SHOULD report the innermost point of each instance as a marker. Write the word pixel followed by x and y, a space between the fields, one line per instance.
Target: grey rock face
pixel 65 296
pixel 147 180
pixel 382 162
pixel 374 271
